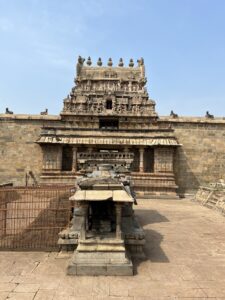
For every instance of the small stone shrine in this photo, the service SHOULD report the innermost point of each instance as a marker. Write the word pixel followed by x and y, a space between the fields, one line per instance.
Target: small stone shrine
pixel 109 118
pixel 104 231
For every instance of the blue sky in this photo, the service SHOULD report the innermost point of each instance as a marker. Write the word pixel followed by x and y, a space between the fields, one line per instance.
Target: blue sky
pixel 182 42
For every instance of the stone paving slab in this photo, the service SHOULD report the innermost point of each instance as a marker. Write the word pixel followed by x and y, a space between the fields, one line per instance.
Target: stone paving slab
pixel 185 259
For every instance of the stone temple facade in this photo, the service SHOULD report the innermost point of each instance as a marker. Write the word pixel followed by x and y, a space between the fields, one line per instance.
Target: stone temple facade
pixel 109 118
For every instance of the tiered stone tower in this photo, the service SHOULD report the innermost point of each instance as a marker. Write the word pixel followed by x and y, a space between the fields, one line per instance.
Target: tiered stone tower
pixel 109 118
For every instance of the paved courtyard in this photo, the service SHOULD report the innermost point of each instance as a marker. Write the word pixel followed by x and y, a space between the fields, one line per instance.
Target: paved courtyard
pixel 185 259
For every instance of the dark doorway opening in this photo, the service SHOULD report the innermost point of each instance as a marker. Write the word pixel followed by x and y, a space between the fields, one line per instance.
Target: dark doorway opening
pixel 108 123
pixel 149 160
pixel 136 162
pixel 102 217
pixel 67 158
pixel 109 104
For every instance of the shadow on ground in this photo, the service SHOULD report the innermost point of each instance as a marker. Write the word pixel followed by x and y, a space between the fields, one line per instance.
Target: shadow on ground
pixel 146 217
pixel 153 250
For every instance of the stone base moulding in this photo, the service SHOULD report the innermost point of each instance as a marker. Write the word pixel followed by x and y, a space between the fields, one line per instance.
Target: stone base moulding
pixel 100 263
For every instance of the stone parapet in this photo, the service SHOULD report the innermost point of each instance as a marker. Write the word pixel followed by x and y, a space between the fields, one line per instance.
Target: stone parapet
pixel 169 119
pixel 183 119
pixel 8 117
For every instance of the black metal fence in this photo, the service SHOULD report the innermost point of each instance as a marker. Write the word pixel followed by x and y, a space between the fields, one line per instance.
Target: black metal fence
pixel 31 218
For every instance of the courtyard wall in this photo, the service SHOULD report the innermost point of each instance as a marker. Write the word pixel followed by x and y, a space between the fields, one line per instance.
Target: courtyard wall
pixel 200 159
pixel 19 154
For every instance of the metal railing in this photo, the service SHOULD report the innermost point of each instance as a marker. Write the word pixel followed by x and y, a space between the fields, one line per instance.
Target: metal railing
pixel 32 217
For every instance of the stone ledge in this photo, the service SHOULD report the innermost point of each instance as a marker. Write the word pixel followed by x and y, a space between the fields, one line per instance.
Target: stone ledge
pixel 180 119
pixel 187 119
pixel 29 117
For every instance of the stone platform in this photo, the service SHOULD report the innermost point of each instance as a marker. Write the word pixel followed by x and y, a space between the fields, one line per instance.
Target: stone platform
pixel 100 256
pixel 185 259
pixel 100 263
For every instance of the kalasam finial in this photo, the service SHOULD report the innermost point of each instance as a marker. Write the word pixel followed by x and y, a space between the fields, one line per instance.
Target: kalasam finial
pixel 120 62
pixel 131 63
pixel 110 63
pixel 99 62
pixel 89 62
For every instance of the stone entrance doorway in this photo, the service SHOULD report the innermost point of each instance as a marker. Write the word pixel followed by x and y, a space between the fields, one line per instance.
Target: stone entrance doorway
pixel 102 217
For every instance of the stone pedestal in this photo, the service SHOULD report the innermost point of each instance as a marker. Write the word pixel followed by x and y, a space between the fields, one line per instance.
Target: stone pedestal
pixel 100 257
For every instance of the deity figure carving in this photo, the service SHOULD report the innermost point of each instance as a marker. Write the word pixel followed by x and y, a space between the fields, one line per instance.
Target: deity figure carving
pixel 67 106
pixel 130 86
pixel 88 104
pixel 141 109
pixel 100 107
pixel 135 108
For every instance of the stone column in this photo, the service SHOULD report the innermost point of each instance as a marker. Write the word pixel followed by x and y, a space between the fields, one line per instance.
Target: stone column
pixel 59 158
pixel 44 157
pixel 83 225
pixel 74 163
pixel 141 161
pixel 118 221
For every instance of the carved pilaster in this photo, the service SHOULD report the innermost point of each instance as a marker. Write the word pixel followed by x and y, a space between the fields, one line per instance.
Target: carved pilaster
pixel 74 163
pixel 118 221
pixel 141 161
pixel 59 158
pixel 84 208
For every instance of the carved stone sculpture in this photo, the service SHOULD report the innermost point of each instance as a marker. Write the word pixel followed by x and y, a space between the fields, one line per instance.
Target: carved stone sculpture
pixel 209 116
pixel 80 63
pixel 173 115
pixel 44 112
pixel 7 111
pixel 142 66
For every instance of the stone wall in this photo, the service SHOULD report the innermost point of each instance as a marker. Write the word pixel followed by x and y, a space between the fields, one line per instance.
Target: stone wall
pixel 19 154
pixel 200 159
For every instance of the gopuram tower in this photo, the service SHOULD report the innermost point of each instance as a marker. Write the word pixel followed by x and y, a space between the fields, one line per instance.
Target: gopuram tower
pixel 109 118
